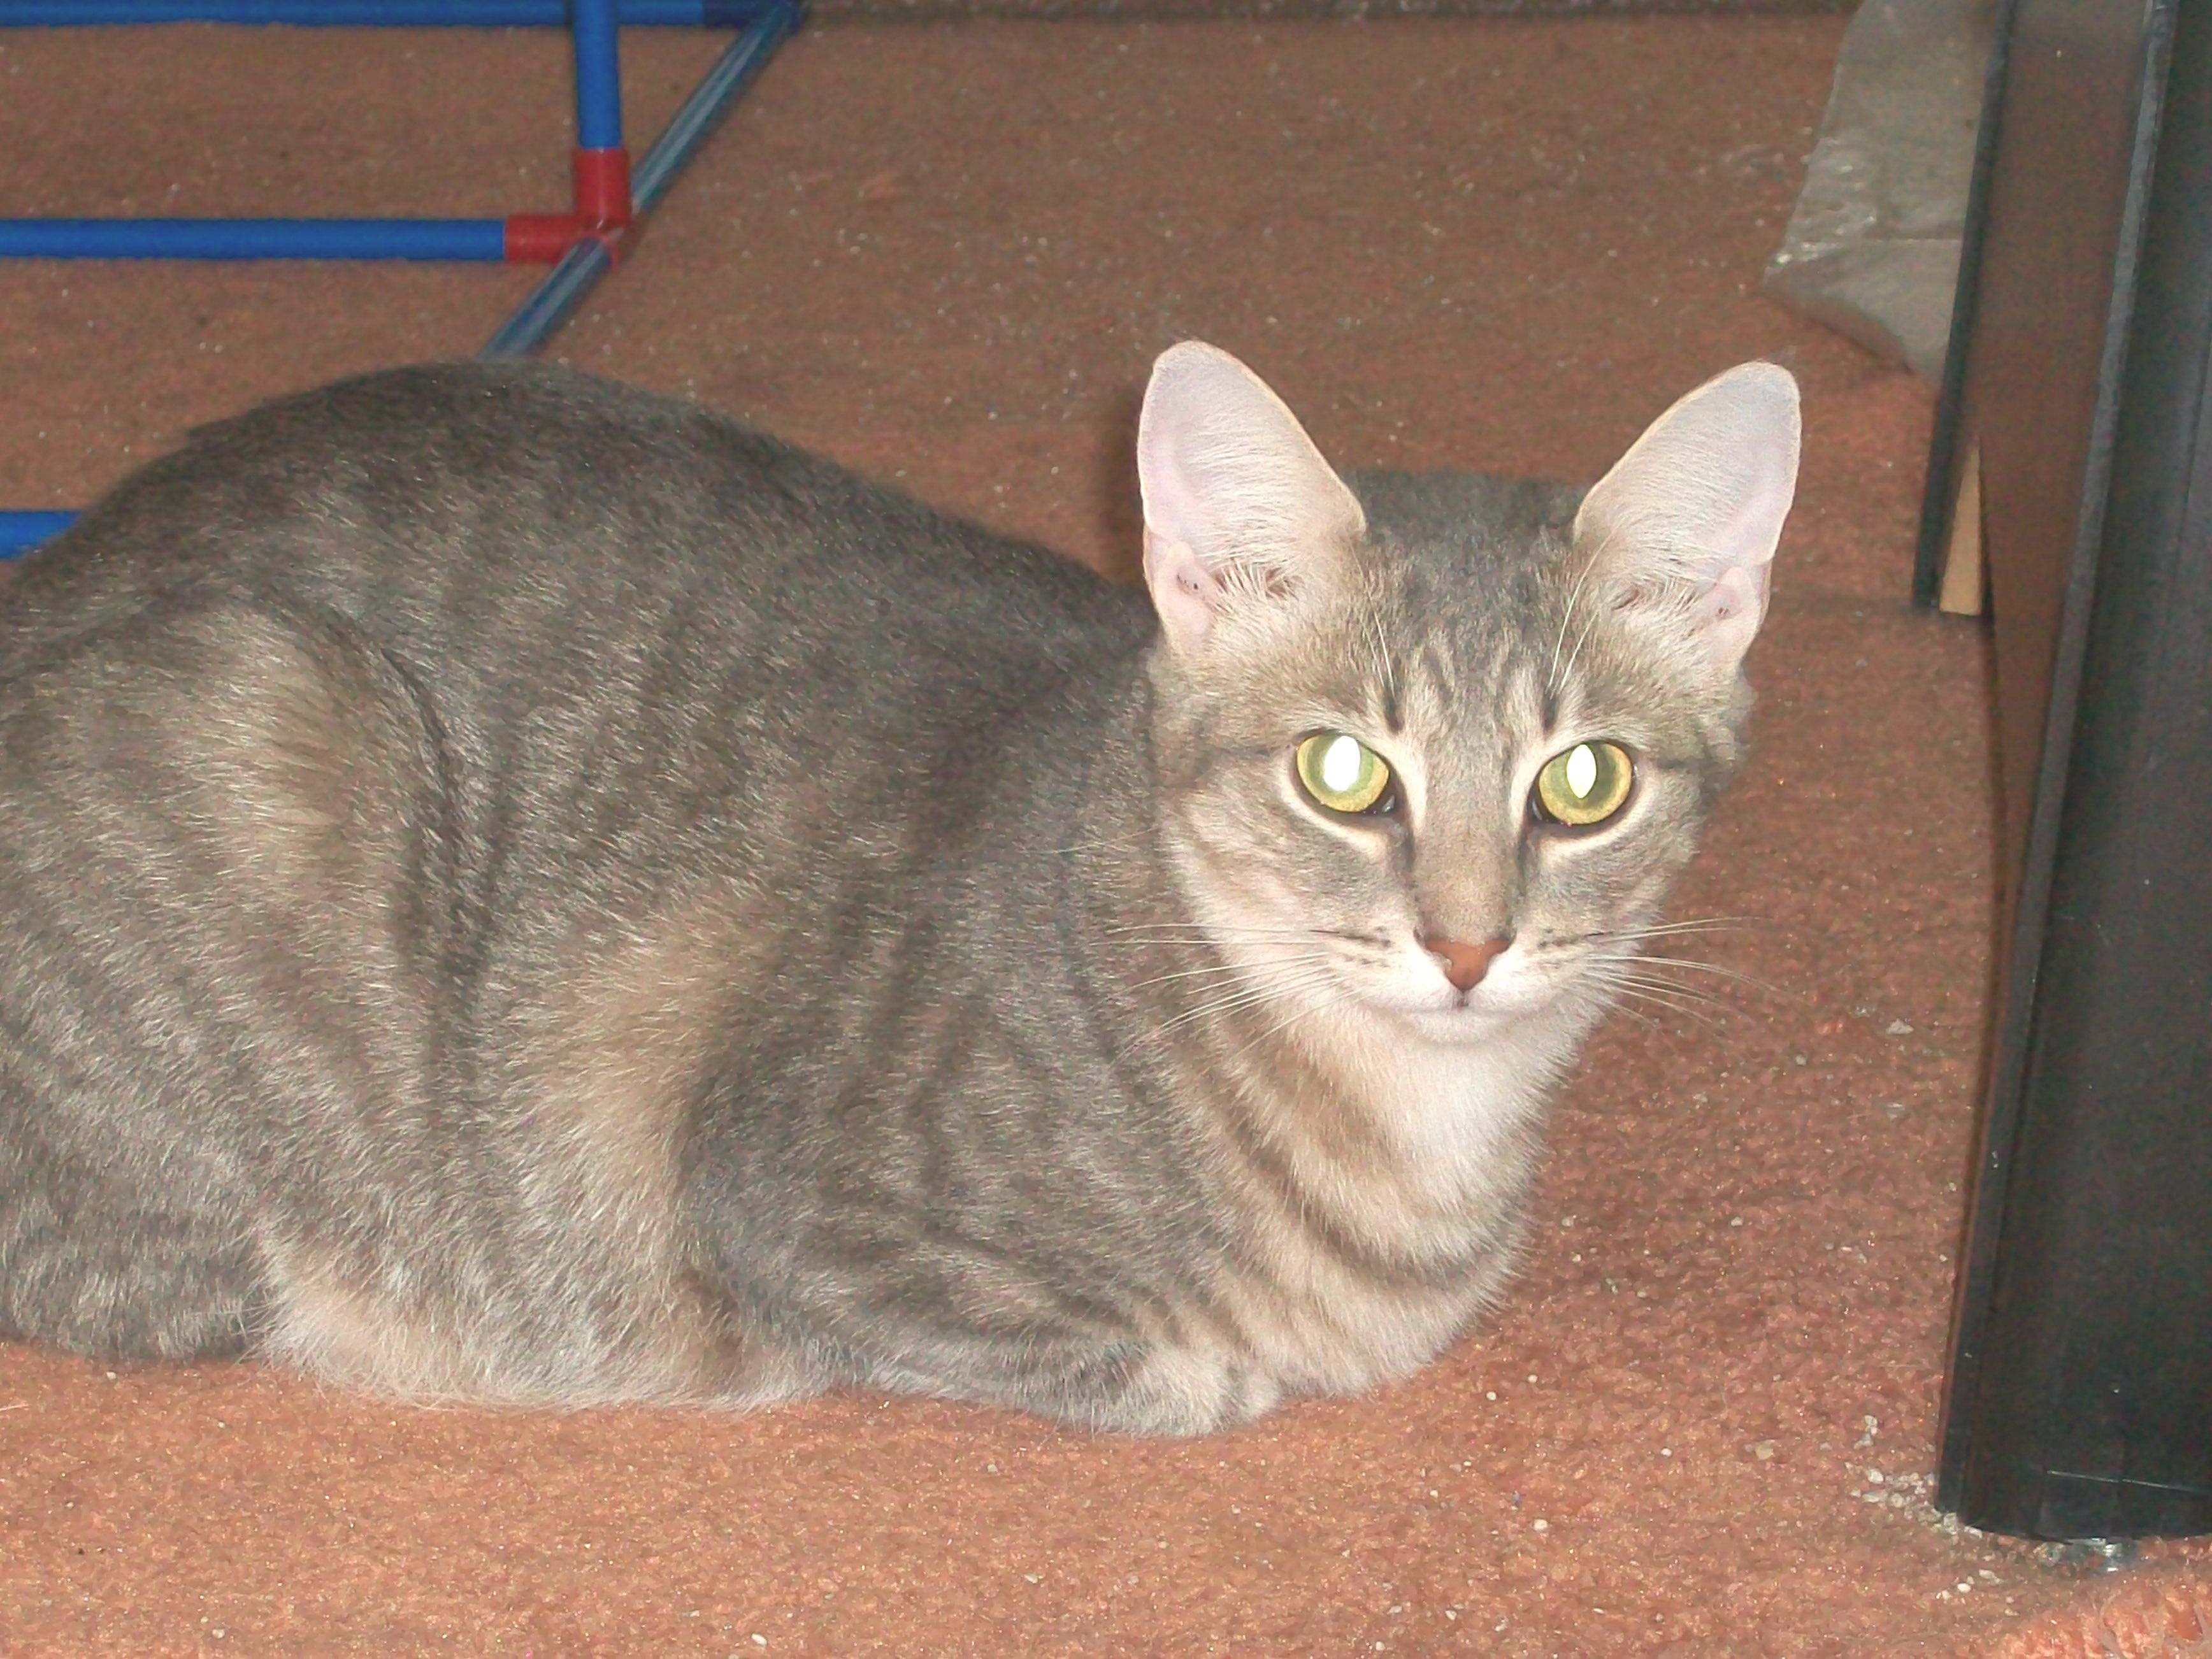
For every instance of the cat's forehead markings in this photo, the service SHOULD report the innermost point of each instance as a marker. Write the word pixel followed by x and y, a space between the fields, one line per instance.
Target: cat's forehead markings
pixel 1558 699
pixel 1464 681
pixel 1432 701
pixel 1389 707
pixel 1394 715
pixel 1434 672
pixel 1517 716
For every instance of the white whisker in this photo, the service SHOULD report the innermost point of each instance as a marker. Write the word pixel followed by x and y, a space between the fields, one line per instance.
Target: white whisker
pixel 1686 1012
pixel 1553 681
pixel 1690 925
pixel 1574 598
pixel 1382 665
pixel 1337 1001
pixel 1199 930
pixel 1270 990
pixel 1680 995
pixel 1220 968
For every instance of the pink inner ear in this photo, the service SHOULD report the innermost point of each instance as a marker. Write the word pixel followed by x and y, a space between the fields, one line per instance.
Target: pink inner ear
pixel 1184 591
pixel 1731 611
pixel 1747 536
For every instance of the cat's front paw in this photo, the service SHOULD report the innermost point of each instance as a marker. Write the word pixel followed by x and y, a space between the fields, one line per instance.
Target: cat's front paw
pixel 1176 1393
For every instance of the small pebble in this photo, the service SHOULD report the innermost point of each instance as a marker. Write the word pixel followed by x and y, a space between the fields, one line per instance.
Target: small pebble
pixel 1898 1028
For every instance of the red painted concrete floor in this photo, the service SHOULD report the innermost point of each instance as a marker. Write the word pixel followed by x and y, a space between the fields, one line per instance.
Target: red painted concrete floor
pixel 1703 1423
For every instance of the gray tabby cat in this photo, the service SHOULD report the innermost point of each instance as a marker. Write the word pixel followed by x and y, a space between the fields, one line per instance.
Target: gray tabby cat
pixel 520 891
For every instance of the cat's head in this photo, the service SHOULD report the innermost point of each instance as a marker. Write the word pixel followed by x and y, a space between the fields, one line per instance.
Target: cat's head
pixel 1424 751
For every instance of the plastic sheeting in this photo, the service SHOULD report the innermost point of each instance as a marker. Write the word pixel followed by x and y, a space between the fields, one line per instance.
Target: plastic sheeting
pixel 1872 248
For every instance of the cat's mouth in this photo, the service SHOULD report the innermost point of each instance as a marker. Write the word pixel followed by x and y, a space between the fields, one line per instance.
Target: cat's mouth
pixel 1416 991
pixel 1371 976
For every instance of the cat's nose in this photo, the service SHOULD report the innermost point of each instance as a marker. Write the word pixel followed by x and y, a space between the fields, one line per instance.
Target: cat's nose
pixel 1465 964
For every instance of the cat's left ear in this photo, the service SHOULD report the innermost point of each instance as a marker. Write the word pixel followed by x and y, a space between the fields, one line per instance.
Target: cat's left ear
pixel 1686 524
pixel 1240 511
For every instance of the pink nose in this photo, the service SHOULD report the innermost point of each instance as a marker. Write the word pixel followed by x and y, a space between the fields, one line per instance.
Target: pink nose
pixel 1464 965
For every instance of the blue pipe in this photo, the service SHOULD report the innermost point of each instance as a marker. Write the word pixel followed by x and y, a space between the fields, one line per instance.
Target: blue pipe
pixel 557 297
pixel 252 239
pixel 598 77
pixel 774 22
pixel 21 532
pixel 767 24
pixel 598 127
pixel 375 13
pixel 550 303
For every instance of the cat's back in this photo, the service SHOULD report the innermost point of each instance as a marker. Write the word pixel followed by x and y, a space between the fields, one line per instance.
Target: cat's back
pixel 497 514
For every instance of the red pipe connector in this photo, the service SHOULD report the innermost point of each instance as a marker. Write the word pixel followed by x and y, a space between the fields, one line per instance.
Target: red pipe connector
pixel 603 188
pixel 603 213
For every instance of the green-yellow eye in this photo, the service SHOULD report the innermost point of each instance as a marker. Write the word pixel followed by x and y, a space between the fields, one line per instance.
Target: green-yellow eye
pixel 1586 785
pixel 1342 772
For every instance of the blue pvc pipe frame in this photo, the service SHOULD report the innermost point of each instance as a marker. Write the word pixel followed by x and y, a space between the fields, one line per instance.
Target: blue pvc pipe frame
pixel 376 13
pixel 253 239
pixel 766 25
pixel 598 127
pixel 556 298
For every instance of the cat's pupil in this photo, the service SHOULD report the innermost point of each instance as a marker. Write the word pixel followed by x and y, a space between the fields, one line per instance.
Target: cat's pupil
pixel 1581 771
pixel 1341 765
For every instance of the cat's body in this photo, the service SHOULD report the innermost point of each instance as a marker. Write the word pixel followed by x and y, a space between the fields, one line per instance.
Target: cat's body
pixel 516 890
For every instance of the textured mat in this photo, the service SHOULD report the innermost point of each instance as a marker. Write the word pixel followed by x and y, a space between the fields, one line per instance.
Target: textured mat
pixel 1703 1423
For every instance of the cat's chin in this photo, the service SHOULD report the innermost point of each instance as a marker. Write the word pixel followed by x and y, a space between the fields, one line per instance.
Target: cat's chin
pixel 1470 1024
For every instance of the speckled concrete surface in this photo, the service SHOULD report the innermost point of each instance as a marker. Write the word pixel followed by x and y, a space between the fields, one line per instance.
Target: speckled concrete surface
pixel 1702 1424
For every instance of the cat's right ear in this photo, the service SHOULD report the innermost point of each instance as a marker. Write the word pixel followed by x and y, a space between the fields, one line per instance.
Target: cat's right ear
pixel 1240 508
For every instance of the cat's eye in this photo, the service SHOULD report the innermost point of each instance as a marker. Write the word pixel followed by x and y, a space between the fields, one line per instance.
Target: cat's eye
pixel 1585 784
pixel 1343 774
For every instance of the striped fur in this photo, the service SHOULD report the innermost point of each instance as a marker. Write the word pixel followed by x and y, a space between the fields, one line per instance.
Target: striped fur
pixel 518 890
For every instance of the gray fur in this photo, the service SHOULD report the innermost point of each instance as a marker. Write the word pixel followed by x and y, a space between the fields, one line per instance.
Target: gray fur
pixel 516 890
